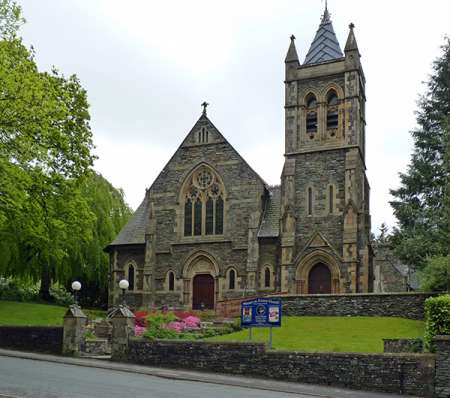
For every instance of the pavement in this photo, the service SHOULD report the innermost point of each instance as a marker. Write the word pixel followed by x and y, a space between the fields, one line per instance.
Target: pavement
pixel 182 383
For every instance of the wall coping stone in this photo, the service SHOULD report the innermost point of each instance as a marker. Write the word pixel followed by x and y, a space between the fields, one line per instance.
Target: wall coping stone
pixel 284 296
pixel 441 338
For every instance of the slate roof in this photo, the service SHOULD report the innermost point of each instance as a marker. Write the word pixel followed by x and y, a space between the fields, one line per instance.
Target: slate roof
pixel 134 231
pixel 270 225
pixel 325 46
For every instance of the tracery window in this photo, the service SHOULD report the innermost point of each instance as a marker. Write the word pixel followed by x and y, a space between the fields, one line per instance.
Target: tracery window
pixel 332 111
pixel 311 115
pixel 203 204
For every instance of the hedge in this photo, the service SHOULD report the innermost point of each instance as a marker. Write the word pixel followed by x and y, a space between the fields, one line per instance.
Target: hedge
pixel 437 317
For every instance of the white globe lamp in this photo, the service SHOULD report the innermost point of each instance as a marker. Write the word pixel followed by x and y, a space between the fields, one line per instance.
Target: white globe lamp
pixel 123 284
pixel 76 286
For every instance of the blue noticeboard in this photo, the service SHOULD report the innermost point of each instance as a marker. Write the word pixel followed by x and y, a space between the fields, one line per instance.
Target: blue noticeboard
pixel 261 313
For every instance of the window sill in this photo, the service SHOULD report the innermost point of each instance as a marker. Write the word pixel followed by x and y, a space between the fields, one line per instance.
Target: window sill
pixel 202 239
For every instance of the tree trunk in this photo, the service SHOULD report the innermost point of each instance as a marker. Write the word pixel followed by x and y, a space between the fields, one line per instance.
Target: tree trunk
pixel 44 291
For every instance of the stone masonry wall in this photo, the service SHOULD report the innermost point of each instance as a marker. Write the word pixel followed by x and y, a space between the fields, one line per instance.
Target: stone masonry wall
pixel 442 380
pixel 405 305
pixel 393 373
pixel 32 338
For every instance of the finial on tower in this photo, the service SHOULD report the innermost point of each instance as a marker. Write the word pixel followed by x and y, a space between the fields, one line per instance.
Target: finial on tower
pixel 204 105
pixel 292 37
pixel 351 26
pixel 326 14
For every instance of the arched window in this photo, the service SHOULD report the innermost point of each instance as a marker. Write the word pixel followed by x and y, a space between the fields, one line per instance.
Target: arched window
pixel 311 114
pixel 203 135
pixel 232 279
pixel 310 201
pixel 203 203
pixel 267 277
pixel 332 110
pixel 171 281
pixel 131 277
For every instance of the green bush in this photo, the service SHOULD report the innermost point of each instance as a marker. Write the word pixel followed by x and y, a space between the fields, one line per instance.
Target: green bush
pixel 61 296
pixel 435 277
pixel 437 318
pixel 13 290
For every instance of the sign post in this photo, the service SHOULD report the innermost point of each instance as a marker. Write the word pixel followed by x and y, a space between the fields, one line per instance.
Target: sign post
pixel 261 313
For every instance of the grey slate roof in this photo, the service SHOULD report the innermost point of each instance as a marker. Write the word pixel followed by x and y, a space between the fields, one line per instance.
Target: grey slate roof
pixel 325 46
pixel 134 230
pixel 270 225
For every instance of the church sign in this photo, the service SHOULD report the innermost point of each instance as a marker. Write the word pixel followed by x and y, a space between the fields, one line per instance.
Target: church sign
pixel 261 313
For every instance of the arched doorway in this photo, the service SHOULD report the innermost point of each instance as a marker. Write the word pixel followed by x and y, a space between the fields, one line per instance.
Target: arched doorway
pixel 319 279
pixel 203 292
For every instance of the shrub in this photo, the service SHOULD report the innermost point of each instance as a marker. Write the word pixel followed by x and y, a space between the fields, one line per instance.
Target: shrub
pixel 437 318
pixel 13 290
pixel 435 277
pixel 61 296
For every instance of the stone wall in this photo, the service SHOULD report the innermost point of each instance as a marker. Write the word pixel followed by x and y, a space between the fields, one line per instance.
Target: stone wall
pixel 32 338
pixel 392 373
pixel 403 345
pixel 405 305
pixel 442 378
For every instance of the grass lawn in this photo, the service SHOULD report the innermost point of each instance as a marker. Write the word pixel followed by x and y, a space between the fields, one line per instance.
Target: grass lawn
pixel 332 334
pixel 33 314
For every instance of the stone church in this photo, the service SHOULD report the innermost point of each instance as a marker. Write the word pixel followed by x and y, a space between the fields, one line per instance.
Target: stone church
pixel 210 228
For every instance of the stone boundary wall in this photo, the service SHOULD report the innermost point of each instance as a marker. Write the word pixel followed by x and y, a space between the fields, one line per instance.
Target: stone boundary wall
pixel 411 374
pixel 403 345
pixel 405 305
pixel 46 339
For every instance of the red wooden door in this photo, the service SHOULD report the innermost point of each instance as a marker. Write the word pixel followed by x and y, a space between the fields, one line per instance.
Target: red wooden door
pixel 319 279
pixel 203 292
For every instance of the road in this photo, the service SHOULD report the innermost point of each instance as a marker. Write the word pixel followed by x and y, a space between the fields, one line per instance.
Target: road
pixel 28 378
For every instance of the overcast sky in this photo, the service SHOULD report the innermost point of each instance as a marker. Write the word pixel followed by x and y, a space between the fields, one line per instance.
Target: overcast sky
pixel 148 65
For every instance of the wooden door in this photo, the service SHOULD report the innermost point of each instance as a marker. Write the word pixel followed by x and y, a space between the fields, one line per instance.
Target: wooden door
pixel 319 280
pixel 203 292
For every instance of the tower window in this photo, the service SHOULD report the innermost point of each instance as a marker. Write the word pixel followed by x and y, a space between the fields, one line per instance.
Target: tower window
pixel 203 204
pixel 332 110
pixel 311 114
pixel 310 201
pixel 331 199
pixel 232 279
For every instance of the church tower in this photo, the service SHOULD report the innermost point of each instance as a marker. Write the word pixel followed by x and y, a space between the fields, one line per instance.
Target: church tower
pixel 325 218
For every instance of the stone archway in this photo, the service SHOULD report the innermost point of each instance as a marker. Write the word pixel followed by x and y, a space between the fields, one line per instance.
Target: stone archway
pixel 319 268
pixel 200 281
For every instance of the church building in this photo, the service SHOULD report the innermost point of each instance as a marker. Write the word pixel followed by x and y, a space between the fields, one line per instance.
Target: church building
pixel 210 228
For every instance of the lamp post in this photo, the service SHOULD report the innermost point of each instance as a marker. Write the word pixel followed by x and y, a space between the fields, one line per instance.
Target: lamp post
pixel 123 284
pixel 76 286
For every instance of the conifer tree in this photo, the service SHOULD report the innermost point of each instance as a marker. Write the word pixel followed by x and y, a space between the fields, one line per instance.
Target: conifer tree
pixel 422 203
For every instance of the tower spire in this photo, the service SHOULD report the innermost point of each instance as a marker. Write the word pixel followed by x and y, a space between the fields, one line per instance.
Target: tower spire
pixel 291 55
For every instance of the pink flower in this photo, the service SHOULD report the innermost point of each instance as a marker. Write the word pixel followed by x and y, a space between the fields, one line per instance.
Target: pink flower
pixel 192 322
pixel 139 330
pixel 176 325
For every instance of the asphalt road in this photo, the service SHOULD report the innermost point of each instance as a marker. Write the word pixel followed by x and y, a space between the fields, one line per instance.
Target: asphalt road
pixel 29 378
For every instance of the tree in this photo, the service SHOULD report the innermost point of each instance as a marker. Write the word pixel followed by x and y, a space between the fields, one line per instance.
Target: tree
pixel 45 154
pixel 435 277
pixel 422 203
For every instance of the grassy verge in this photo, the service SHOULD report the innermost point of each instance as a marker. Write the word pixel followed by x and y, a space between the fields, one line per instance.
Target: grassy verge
pixel 33 314
pixel 332 334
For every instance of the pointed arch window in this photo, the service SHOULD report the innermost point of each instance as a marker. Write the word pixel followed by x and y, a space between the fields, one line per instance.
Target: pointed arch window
pixel 203 134
pixel 232 279
pixel 311 115
pixel 267 277
pixel 131 276
pixel 171 281
pixel 332 110
pixel 203 204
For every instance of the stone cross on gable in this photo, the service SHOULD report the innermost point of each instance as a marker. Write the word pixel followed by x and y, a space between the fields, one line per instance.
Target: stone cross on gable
pixel 205 104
